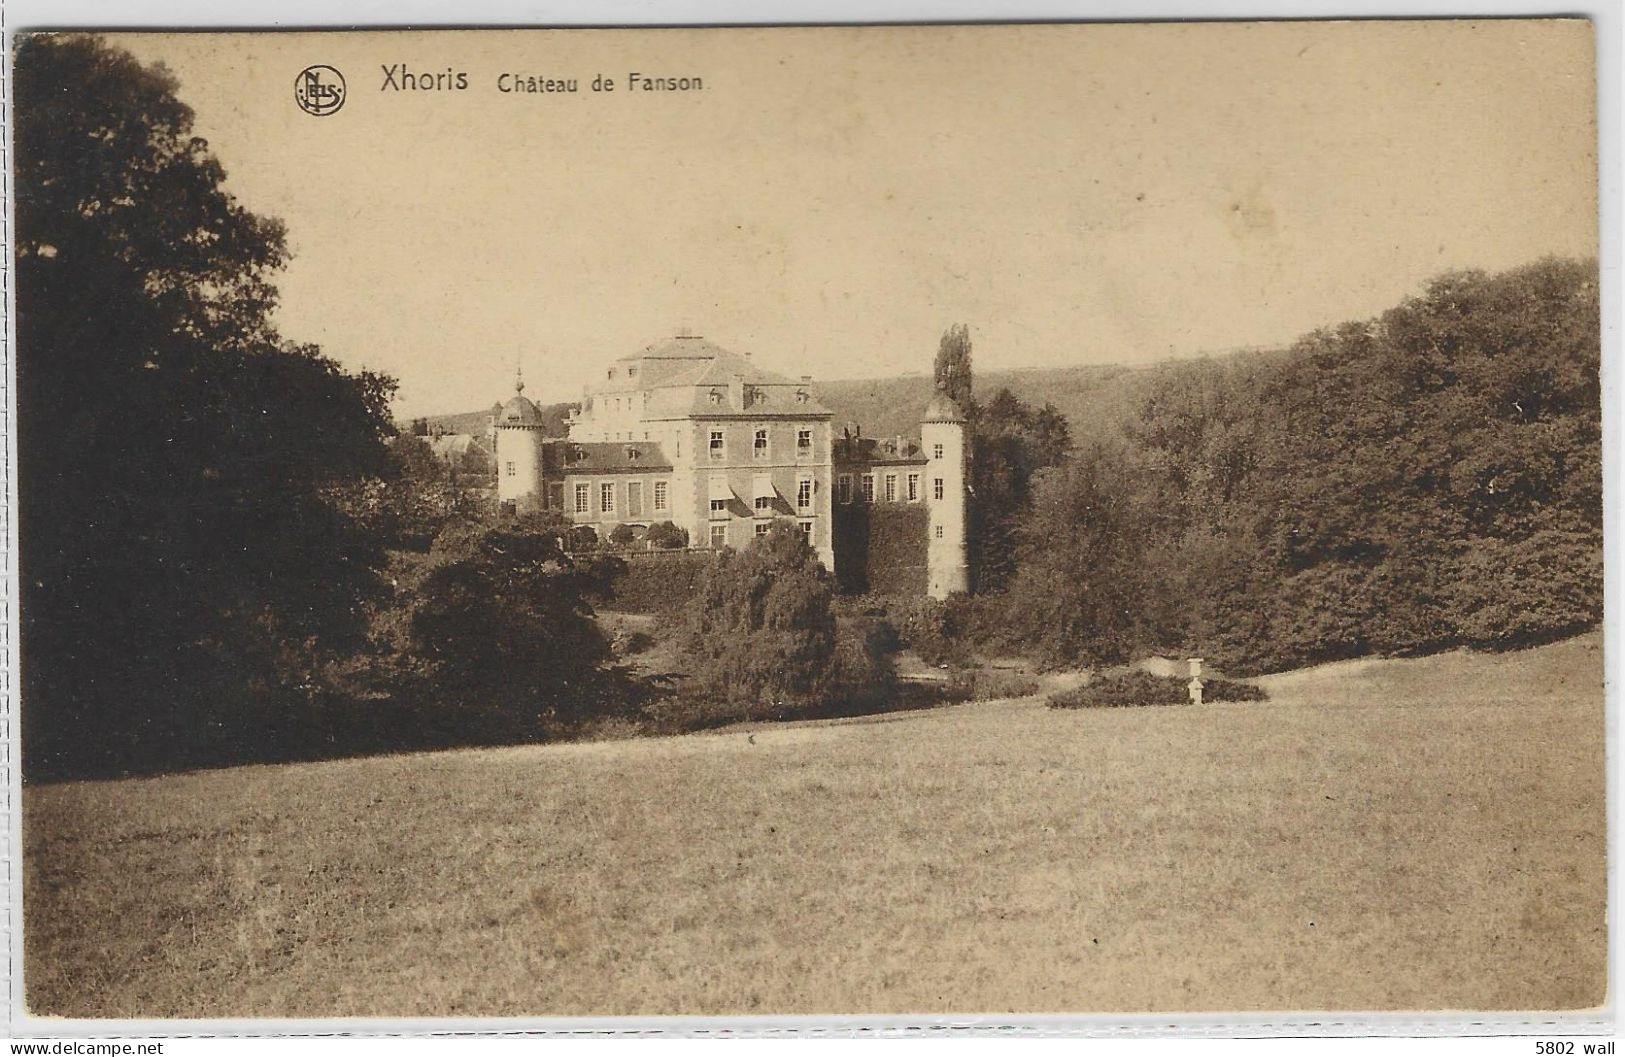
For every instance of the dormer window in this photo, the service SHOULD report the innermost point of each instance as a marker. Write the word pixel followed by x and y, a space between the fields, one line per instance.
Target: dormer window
pixel 802 396
pixel 716 396
pixel 631 372
pixel 611 373
pixel 633 454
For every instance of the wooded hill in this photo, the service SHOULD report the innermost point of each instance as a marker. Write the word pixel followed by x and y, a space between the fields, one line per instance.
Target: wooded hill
pixel 1093 398
pixel 1427 479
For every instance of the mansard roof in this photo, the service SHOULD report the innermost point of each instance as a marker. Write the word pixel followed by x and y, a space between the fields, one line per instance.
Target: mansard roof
pixel 604 456
pixel 680 376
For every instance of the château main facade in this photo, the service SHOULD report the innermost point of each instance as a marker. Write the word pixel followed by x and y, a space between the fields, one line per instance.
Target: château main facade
pixel 691 433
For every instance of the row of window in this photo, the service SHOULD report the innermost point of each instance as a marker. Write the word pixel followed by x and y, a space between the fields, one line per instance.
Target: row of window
pixel 764 495
pixel 752 395
pixel 760 444
pixel 889 482
pixel 607 495
pixel 719 531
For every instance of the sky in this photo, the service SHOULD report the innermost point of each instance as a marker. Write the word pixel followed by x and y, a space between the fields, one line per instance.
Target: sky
pixel 833 198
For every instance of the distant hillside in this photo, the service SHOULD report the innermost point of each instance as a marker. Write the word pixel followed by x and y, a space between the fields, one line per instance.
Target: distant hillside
pixel 1090 397
pixel 1095 399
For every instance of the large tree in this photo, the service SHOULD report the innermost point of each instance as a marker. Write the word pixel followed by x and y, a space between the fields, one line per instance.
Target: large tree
pixel 185 567
pixel 1011 441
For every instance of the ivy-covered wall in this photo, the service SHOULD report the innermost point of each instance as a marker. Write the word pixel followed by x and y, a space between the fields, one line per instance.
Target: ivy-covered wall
pixel 880 549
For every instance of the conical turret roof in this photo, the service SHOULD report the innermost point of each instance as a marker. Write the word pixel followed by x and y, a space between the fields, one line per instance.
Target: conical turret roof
pixel 943 408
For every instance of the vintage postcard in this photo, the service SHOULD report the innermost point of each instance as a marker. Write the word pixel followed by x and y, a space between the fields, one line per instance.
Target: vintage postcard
pixel 990 521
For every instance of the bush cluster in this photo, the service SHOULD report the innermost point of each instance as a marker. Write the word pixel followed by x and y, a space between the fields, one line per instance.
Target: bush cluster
pixel 761 639
pixel 938 631
pixel 660 583
pixel 988 684
pixel 1137 689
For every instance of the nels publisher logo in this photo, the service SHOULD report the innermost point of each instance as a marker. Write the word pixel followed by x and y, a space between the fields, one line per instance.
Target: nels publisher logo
pixel 319 90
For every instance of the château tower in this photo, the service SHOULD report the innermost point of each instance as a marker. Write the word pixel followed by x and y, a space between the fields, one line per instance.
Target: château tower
pixel 942 434
pixel 519 435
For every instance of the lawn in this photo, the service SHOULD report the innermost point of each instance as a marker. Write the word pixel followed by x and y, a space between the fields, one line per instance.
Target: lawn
pixel 1415 834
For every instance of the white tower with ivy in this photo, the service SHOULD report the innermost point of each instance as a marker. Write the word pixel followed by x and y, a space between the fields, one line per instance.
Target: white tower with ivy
pixel 942 434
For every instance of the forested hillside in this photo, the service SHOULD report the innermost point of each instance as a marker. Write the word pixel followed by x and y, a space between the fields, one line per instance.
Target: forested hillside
pixel 1093 398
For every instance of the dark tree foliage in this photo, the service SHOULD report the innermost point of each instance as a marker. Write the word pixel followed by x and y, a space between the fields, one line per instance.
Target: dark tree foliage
pixel 760 633
pixel 661 582
pixel 412 499
pixel 952 368
pixel 1010 442
pixel 1427 479
pixel 188 569
pixel 1084 592
pixel 500 641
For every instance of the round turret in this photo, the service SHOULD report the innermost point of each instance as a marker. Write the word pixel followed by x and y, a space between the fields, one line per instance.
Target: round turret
pixel 942 434
pixel 519 439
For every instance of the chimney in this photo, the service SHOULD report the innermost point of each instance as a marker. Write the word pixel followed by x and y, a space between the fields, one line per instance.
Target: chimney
pixel 736 391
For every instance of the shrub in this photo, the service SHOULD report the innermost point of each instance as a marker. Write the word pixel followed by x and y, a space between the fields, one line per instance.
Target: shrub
pixel 861 680
pixel 864 679
pixel 666 536
pixel 581 538
pixel 624 535
pixel 941 632
pixel 1136 689
pixel 922 624
pixel 984 684
pixel 1230 690
pixel 760 633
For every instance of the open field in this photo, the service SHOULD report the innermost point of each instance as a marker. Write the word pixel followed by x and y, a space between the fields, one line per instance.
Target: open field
pixel 1381 835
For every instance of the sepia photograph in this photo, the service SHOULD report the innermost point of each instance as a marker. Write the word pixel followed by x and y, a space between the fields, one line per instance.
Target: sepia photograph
pixel 908 521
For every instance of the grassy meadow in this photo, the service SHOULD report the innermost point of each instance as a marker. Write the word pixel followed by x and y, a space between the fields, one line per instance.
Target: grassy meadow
pixel 1400 834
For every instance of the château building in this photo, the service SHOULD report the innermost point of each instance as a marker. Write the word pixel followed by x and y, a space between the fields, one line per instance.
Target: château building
pixel 691 433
